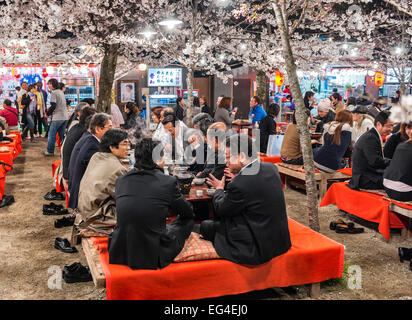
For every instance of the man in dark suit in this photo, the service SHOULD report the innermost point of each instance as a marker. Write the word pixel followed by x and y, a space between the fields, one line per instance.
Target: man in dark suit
pixel 179 110
pixel 252 226
pixel 141 238
pixel 368 162
pixel 84 149
pixel 73 136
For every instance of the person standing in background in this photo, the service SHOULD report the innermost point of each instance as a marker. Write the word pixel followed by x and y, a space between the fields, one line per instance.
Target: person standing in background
pixel 256 111
pixel 204 108
pixel 40 112
pixel 179 109
pixel 45 98
pixel 58 114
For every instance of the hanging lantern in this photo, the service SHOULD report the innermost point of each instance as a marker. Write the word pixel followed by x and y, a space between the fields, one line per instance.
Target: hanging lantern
pixel 17 76
pixel 45 74
pixel 13 72
pixel 279 78
pixel 379 79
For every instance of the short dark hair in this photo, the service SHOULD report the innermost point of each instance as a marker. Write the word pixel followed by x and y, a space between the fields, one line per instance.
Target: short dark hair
pixel 130 105
pixel 144 154
pixel 204 124
pixel 336 96
pixel 179 99
pixel 257 99
pixel 98 120
pixel 90 101
pixel 7 102
pixel 32 86
pixel 112 138
pixel 54 83
pixel 61 85
pixel 352 101
pixel 39 83
pixel 18 88
pixel 86 112
pixel 87 121
pixel 169 117
pixel 237 143
pixel 196 102
pixel 382 117
pixel 335 90
pixel 273 109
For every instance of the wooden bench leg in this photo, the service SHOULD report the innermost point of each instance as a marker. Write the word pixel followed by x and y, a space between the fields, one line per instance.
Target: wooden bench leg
pixel 323 187
pixel 315 290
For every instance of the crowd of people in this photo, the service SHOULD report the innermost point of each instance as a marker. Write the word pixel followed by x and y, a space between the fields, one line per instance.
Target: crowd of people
pixel 356 130
pixel 128 198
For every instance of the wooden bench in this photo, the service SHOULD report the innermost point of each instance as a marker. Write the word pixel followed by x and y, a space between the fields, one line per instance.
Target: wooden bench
pixel 93 260
pixel 322 178
pixel 176 281
pixel 406 232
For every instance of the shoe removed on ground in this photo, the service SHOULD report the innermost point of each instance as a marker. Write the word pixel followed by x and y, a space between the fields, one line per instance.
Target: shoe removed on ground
pixel 6 201
pixel 54 196
pixel 53 209
pixel 64 222
pixel 76 273
pixel 64 245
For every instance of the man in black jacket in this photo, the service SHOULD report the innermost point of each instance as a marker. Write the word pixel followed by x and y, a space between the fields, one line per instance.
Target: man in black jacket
pixel 73 136
pixel 253 226
pixel 84 149
pixel 141 238
pixel 368 162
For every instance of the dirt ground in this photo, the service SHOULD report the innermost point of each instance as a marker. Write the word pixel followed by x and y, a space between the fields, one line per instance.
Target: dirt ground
pixel 29 261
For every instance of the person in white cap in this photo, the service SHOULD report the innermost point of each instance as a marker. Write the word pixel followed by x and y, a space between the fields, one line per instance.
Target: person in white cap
pixel 325 114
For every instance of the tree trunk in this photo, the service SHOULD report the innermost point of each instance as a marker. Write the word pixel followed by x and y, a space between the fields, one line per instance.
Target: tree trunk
pixel 261 87
pixel 107 72
pixel 189 107
pixel 301 119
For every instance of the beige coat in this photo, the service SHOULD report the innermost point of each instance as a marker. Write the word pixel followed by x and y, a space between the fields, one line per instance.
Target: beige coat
pixel 96 206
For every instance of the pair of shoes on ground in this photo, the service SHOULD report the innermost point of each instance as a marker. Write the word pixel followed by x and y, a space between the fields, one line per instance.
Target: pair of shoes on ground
pixel 64 222
pixel 6 201
pixel 341 226
pixel 53 209
pixel 54 196
pixel 76 272
pixel 45 153
pixel 405 254
pixel 64 245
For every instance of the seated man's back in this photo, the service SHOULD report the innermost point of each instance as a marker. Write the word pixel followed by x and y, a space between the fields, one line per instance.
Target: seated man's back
pixel 253 222
pixel 141 238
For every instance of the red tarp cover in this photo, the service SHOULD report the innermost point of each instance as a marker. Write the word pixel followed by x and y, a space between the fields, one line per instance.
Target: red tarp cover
pixel 365 205
pixel 270 159
pixel 313 258
pixel 55 164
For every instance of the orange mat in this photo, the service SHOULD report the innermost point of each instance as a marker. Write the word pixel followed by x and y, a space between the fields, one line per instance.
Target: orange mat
pixel 313 258
pixel 347 171
pixel 270 159
pixel 3 173
pixel 365 205
pixel 55 164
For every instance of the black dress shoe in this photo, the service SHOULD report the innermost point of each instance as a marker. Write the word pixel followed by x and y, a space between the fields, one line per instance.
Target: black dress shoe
pixel 404 253
pixel 52 206
pixel 51 212
pixel 54 196
pixel 342 228
pixel 78 274
pixel 72 267
pixel 63 244
pixel 64 222
pixel 6 201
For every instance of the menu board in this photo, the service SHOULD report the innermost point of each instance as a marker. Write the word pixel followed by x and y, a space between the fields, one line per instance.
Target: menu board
pixel 166 77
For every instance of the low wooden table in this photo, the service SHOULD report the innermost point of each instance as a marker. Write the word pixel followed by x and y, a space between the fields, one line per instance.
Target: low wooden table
pixel 322 178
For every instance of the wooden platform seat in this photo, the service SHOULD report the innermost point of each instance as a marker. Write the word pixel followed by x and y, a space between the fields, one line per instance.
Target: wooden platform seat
pixel 313 258
pixel 371 205
pixel 288 171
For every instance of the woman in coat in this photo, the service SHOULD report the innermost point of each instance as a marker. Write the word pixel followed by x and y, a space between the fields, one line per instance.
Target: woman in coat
pixel 29 102
pixel 222 113
pixel 395 139
pixel 337 138
pixel 362 122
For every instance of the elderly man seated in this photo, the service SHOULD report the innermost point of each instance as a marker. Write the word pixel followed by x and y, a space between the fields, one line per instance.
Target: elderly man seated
pixel 96 207
pixel 252 226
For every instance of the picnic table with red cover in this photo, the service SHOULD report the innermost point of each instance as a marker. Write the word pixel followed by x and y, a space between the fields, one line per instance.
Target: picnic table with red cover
pixel 365 205
pixel 313 258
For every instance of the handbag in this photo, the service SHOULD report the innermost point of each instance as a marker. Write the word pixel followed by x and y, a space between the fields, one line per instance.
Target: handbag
pixel 274 145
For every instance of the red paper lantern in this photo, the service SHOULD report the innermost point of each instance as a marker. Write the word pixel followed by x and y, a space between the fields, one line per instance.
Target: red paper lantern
pixel 17 76
pixel 45 74
pixel 379 79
